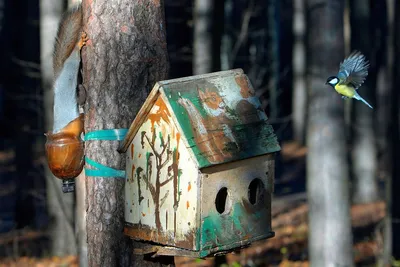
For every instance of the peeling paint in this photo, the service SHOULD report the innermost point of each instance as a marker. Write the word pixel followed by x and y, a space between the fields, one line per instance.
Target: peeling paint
pixel 221 118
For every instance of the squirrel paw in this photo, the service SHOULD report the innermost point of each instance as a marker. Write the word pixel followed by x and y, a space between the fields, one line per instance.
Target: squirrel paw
pixel 82 40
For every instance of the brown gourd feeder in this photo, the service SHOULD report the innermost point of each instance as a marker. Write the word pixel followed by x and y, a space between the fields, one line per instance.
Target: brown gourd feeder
pixel 65 153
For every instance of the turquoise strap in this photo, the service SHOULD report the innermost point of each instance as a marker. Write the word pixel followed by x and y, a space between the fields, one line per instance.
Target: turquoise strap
pixel 112 134
pixel 101 170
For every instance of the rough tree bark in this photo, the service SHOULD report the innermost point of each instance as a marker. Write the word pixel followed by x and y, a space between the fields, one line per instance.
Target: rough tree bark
pixel 123 59
pixel 330 237
pixel 60 205
pixel 299 71
pixel 202 36
pixel 364 162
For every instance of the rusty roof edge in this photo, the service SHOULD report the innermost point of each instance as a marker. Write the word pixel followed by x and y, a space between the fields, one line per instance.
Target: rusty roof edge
pixel 139 118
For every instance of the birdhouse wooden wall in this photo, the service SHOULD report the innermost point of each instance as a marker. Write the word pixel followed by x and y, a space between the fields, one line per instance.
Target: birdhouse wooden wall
pixel 162 190
pixel 200 166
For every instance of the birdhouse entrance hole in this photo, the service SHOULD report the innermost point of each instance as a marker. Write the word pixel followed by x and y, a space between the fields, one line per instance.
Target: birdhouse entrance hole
pixel 222 201
pixel 256 191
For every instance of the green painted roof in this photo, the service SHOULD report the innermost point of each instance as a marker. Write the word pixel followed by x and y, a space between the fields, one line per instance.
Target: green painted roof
pixel 220 117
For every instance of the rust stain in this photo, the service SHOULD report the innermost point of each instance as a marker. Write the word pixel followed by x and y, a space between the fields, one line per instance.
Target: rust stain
pixel 217 141
pixel 161 114
pixel 245 90
pixel 156 3
pixel 166 219
pixel 178 138
pixel 140 155
pixel 132 150
pixel 189 186
pixel 133 173
pixel 212 99
pixel 187 204
pixel 204 139
pixel 143 214
pixel 124 29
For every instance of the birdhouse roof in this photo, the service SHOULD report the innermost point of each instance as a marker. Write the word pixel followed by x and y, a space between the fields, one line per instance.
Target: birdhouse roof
pixel 218 115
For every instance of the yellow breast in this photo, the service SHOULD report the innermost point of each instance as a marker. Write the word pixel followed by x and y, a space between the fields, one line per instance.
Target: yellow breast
pixel 345 90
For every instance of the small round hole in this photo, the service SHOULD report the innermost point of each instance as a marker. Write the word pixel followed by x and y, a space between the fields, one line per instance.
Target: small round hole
pixel 256 191
pixel 222 201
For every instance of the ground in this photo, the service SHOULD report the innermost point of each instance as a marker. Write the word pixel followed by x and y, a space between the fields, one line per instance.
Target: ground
pixel 289 221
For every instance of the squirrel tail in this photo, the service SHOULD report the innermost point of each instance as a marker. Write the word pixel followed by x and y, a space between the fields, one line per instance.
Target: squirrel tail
pixel 68 35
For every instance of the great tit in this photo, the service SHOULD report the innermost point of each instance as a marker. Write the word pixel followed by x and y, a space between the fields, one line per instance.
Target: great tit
pixel 352 74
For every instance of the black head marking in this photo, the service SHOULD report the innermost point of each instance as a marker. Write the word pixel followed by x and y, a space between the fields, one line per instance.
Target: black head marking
pixel 333 80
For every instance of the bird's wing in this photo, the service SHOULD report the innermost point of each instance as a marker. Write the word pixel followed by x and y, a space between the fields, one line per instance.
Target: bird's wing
pixel 354 69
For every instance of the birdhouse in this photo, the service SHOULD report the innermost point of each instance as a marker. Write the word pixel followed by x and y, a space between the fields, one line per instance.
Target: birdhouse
pixel 199 167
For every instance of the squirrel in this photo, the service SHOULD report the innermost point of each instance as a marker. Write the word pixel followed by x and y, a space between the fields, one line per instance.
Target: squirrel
pixel 64 149
pixel 66 64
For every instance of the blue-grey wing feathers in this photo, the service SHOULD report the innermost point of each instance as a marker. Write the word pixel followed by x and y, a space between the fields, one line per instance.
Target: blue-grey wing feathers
pixel 354 69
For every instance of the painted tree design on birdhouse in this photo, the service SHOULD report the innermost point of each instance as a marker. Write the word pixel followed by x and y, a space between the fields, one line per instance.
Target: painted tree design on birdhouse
pixel 159 144
pixel 161 157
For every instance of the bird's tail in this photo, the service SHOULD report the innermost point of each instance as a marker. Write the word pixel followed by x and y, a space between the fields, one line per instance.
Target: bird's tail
pixel 358 97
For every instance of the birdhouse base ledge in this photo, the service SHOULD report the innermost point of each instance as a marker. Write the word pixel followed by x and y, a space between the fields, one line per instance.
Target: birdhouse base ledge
pixel 158 250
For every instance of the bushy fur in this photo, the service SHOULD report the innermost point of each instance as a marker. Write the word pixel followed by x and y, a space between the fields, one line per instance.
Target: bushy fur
pixel 68 35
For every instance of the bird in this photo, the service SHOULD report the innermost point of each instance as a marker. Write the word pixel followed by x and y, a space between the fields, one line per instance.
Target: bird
pixel 352 73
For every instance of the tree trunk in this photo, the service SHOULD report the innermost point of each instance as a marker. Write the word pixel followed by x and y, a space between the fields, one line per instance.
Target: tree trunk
pixel 273 9
pixel 202 44
pixel 384 94
pixel 330 237
pixel 60 205
pixel 80 219
pixel 299 72
pixel 226 39
pixel 384 87
pixel 395 133
pixel 123 59
pixel 364 161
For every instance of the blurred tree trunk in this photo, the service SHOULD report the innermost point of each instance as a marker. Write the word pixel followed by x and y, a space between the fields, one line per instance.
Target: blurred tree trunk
pixel 299 72
pixel 364 162
pixel 330 237
pixel 395 132
pixel 274 77
pixel 80 219
pixel 226 40
pixel 60 205
pixel 383 18
pixel 202 36
pixel 120 66
pixel 385 83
